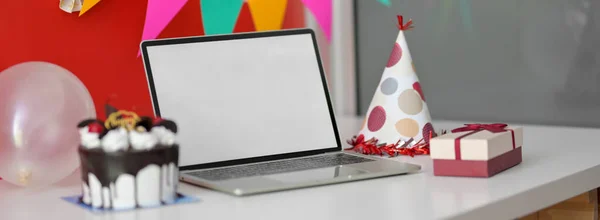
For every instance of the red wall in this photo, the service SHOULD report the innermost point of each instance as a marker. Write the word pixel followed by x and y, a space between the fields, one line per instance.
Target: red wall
pixel 101 46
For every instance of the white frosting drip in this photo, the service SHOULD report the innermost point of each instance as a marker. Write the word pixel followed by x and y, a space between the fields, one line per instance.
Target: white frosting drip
pixel 95 190
pixel 106 197
pixel 87 199
pixel 169 182
pixel 148 186
pixel 115 140
pixel 164 135
pixel 142 140
pixel 123 192
pixel 89 140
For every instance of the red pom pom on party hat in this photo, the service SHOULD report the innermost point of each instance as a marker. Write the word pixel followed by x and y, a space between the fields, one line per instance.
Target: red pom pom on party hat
pixel 403 26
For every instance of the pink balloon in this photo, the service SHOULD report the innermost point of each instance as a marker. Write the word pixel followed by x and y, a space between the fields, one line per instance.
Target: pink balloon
pixel 40 106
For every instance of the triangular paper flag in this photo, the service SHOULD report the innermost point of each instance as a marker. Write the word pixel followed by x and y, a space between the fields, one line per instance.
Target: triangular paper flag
pixel 220 16
pixel 294 15
pixel 87 5
pixel 398 110
pixel 267 14
pixel 321 9
pixel 158 16
pixel 244 21
pixel 385 2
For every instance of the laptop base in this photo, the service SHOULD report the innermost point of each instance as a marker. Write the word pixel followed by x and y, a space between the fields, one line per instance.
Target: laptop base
pixel 244 186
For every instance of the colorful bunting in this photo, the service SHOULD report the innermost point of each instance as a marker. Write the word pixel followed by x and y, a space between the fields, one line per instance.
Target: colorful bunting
pixel 267 14
pixel 158 16
pixel 321 9
pixel 244 22
pixel 220 16
pixel 87 5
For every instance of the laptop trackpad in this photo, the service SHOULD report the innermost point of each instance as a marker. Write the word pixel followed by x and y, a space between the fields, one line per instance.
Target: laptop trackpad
pixel 316 174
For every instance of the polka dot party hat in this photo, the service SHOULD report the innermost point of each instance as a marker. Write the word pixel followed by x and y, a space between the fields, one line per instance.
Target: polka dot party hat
pixel 398 110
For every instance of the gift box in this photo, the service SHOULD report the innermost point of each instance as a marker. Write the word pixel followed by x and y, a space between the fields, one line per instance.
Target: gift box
pixel 477 150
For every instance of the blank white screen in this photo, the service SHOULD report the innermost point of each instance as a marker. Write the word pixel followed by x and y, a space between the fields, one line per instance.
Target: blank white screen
pixel 242 98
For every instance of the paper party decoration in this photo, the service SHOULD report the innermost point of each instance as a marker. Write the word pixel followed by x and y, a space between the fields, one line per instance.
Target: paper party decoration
pixel 87 5
pixel 321 9
pixel 70 6
pixel 158 15
pixel 267 14
pixel 244 21
pixel 398 110
pixel 220 16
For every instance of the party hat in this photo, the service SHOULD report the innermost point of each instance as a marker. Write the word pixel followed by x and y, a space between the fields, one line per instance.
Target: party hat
pixel 398 111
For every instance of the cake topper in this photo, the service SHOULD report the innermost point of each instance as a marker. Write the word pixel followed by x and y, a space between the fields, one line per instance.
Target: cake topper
pixel 122 118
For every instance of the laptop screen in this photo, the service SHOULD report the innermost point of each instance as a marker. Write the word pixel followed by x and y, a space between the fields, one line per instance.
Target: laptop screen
pixel 254 96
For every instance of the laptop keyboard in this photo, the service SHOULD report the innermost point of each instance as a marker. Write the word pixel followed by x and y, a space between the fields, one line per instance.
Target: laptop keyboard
pixel 282 166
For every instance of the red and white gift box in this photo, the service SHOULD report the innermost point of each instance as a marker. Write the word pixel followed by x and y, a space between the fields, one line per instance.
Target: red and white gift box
pixel 477 150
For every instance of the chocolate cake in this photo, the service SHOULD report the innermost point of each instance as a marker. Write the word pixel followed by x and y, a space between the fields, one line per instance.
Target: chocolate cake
pixel 129 165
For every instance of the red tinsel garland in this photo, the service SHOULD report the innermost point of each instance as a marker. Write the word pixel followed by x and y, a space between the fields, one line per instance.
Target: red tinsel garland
pixel 372 147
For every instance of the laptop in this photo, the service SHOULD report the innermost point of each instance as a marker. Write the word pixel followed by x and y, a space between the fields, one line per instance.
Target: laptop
pixel 254 113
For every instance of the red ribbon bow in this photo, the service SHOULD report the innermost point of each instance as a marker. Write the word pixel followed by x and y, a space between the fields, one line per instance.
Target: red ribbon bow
pixel 403 26
pixel 474 128
pixel 495 128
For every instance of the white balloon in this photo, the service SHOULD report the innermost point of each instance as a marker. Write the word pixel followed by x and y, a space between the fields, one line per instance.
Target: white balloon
pixel 42 104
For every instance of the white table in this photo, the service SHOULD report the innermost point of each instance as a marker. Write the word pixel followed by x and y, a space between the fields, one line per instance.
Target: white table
pixel 558 163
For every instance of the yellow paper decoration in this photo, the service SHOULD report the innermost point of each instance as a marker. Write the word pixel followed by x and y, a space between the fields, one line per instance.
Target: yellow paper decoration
pixel 87 5
pixel 267 14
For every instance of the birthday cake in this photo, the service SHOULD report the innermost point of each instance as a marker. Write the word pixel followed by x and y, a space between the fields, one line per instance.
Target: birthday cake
pixel 128 161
